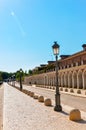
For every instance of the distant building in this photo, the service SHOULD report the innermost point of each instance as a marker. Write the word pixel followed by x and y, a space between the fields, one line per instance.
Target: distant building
pixel 71 74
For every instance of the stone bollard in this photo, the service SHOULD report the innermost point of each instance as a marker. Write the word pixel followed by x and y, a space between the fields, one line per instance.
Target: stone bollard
pixel 25 91
pixel 66 90
pixel 61 89
pixel 85 92
pixel 53 88
pixel 41 99
pixel 35 96
pixel 71 90
pixel 48 102
pixel 75 115
pixel 79 91
pixel 31 94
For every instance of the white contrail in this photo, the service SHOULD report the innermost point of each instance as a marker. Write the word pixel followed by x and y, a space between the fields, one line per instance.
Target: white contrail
pixel 18 23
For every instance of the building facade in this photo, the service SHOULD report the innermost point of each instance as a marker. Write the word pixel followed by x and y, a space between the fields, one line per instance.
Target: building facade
pixel 71 72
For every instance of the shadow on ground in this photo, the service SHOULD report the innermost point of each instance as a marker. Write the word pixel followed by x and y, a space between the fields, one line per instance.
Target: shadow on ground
pixel 65 113
pixel 81 121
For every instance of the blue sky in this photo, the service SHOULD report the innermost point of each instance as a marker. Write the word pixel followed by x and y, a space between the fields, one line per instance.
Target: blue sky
pixel 28 29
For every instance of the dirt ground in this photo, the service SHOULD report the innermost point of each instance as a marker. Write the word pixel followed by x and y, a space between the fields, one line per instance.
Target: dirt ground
pixel 1 106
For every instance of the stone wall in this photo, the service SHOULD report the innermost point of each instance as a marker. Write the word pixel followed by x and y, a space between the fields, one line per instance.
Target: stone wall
pixel 74 77
pixel 71 73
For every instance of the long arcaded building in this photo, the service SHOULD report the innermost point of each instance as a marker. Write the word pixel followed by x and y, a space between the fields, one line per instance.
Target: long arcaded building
pixel 71 73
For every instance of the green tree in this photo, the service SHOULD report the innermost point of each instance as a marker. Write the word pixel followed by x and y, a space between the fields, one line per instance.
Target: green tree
pixel 1 77
pixel 18 73
pixel 30 72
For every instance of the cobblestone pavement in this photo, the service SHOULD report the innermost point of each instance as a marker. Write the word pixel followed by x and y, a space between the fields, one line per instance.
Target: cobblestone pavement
pixel 21 112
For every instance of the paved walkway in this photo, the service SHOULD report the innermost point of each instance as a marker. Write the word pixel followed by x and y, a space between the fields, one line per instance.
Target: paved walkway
pixel 82 94
pixel 22 112
pixel 66 105
pixel 1 106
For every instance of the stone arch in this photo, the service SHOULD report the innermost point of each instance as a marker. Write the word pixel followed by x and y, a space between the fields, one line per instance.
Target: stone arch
pixel 54 78
pixel 84 79
pixel 74 79
pixel 62 80
pixel 80 81
pixel 45 80
pixel 59 79
pixel 48 80
pixel 66 79
pixel 51 80
pixel 60 75
pixel 70 79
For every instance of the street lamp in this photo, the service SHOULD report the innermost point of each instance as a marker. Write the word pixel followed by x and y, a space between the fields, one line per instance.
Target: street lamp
pixel 20 79
pixel 13 80
pixel 57 107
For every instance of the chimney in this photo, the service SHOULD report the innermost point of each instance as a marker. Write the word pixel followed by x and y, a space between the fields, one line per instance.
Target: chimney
pixel 84 47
